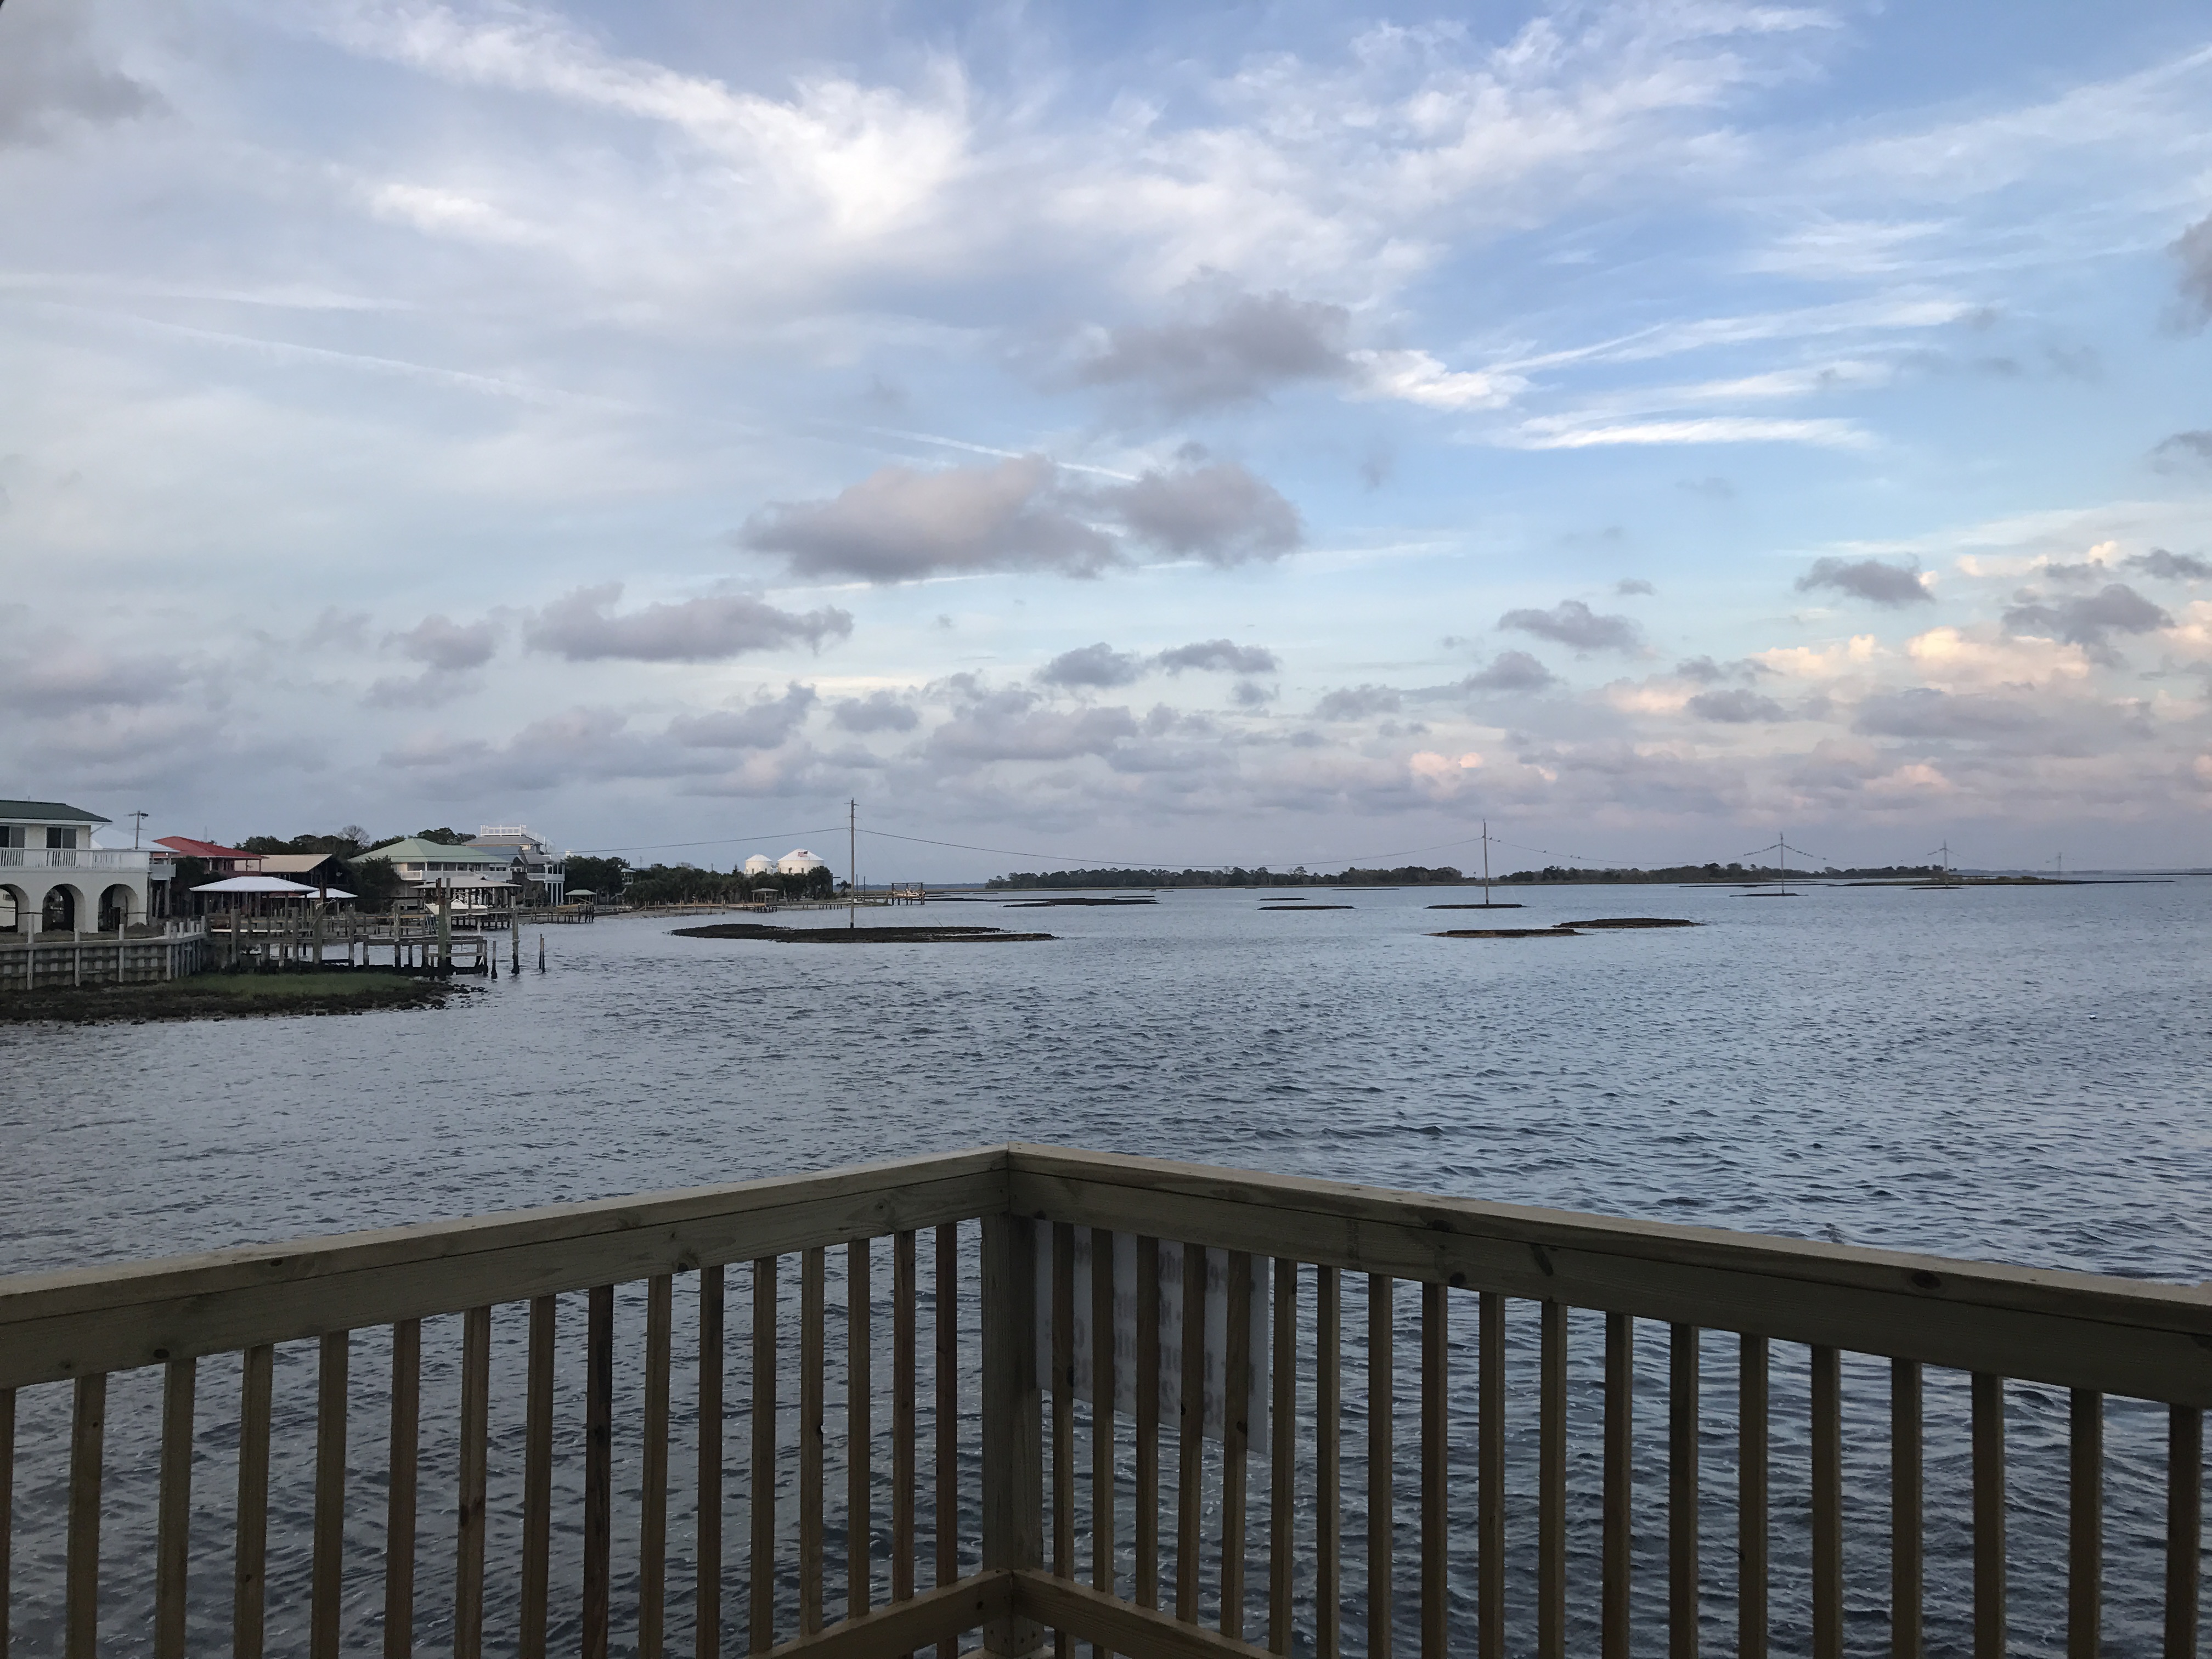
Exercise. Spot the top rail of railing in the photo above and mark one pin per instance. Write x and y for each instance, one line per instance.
(2077, 1330)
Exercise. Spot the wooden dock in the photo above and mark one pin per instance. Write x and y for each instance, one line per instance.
(143, 955)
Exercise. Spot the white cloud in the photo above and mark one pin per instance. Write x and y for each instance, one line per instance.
(1575, 432)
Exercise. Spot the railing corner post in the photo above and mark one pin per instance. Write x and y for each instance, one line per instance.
(1014, 1424)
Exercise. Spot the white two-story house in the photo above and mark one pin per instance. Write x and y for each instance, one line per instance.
(54, 880)
(537, 866)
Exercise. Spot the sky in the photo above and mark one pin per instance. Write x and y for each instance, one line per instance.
(1284, 433)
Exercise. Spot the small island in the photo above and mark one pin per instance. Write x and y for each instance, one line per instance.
(859, 935)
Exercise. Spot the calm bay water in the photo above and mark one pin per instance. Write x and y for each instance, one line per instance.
(2004, 1074)
(2007, 1074)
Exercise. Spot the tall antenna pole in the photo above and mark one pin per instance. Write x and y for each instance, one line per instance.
(852, 863)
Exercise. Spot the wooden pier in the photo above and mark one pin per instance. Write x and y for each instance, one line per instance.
(1198, 1510)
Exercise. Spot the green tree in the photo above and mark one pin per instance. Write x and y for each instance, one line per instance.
(375, 883)
(443, 838)
(603, 877)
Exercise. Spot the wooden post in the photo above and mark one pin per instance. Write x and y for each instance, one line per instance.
(1012, 1422)
(81, 1591)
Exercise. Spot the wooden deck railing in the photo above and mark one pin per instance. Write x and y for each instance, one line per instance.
(197, 1459)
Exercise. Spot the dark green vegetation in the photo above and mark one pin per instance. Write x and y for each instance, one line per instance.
(1565, 929)
(1053, 904)
(1509, 932)
(221, 996)
(1721, 872)
(859, 935)
(1284, 909)
(1410, 875)
(686, 883)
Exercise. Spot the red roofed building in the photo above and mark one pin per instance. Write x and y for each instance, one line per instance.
(220, 861)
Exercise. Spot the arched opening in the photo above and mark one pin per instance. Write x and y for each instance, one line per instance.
(115, 909)
(60, 913)
(13, 908)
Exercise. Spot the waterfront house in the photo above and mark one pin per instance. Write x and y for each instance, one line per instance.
(219, 860)
(535, 863)
(477, 877)
(54, 880)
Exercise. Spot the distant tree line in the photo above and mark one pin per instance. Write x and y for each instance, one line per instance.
(687, 883)
(1417, 875)
(1731, 873)
(1408, 875)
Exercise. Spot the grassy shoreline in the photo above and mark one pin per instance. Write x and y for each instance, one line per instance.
(230, 996)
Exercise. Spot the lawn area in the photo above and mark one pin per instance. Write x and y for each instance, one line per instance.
(217, 996)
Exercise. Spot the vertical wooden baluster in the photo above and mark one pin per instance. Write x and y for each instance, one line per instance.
(1620, 1473)
(1282, 1488)
(1147, 1500)
(904, 1291)
(760, 1557)
(1329, 1462)
(2184, 1526)
(1682, 1492)
(1063, 1414)
(1436, 1467)
(1988, 1517)
(1190, 1447)
(1904, 1509)
(1827, 1503)
(250, 1569)
(328, 1570)
(173, 1545)
(475, 1434)
(7, 1512)
(399, 1505)
(2085, 1529)
(1751, 1500)
(946, 1436)
(652, 1498)
(1013, 1425)
(598, 1466)
(537, 1477)
(812, 1338)
(860, 1432)
(1235, 1440)
(1382, 1404)
(706, 1639)
(1103, 1383)
(1552, 1485)
(87, 1439)
(1490, 1529)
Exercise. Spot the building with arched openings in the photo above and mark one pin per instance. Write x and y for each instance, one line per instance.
(54, 880)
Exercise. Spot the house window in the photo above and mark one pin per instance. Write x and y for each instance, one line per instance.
(61, 837)
(11, 834)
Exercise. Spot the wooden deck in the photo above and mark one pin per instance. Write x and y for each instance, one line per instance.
(1152, 1544)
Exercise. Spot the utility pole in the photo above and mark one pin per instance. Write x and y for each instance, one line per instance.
(1485, 864)
(852, 863)
(137, 823)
